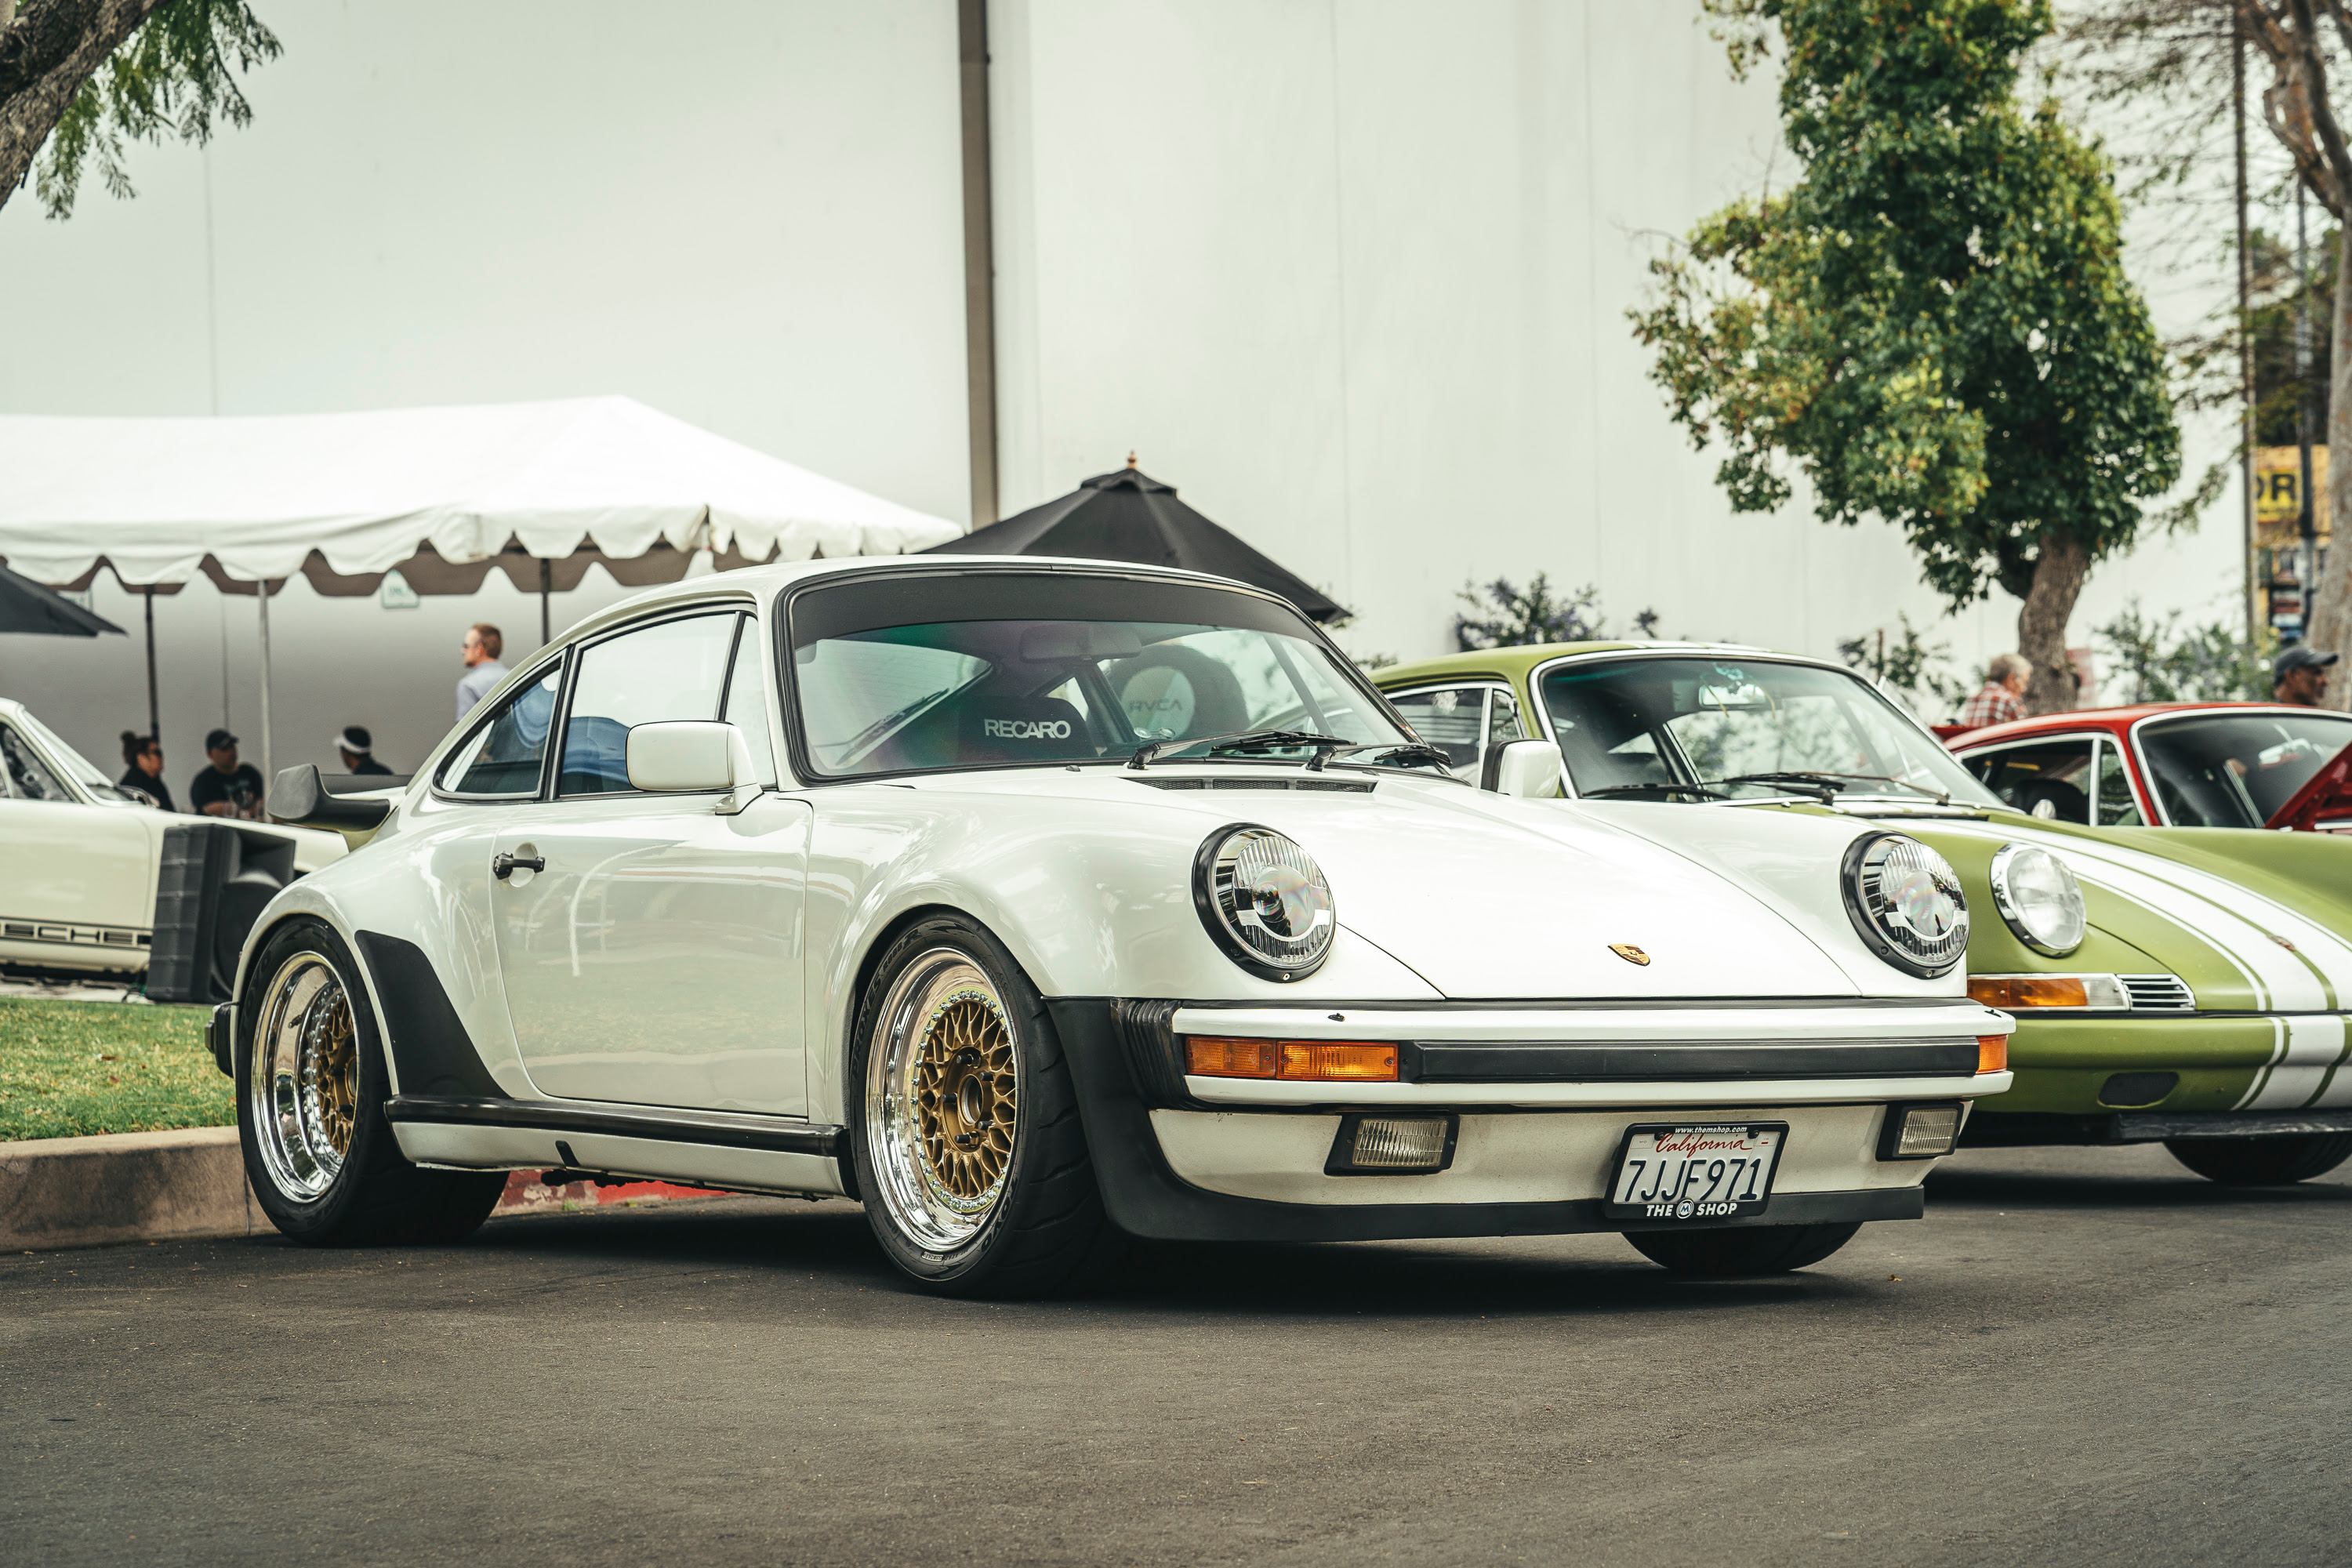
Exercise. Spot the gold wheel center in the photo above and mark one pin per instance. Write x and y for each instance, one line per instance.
(966, 1103)
(330, 1069)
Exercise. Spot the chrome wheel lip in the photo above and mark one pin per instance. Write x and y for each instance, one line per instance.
(919, 1200)
(302, 1077)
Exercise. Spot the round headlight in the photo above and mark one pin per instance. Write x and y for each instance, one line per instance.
(1265, 901)
(1907, 903)
(2036, 893)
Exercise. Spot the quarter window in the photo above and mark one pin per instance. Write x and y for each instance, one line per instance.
(656, 674)
(747, 700)
(505, 756)
(2117, 806)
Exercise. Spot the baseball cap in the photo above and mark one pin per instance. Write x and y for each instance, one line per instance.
(2301, 656)
(217, 739)
(355, 739)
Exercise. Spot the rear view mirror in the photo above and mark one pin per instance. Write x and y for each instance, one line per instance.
(687, 756)
(1529, 769)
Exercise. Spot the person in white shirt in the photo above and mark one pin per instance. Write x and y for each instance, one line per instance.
(480, 652)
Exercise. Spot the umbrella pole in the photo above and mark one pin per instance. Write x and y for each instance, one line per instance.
(546, 582)
(266, 773)
(154, 710)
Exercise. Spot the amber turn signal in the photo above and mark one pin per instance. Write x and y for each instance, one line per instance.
(2030, 991)
(1208, 1058)
(1992, 1053)
(1318, 1061)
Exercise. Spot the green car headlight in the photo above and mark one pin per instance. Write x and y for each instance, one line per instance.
(1905, 901)
(1265, 901)
(2036, 893)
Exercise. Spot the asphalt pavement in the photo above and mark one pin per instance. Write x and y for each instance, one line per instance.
(2079, 1357)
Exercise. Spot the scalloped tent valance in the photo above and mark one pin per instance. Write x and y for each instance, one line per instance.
(441, 494)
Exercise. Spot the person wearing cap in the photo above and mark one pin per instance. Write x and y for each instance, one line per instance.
(354, 742)
(228, 788)
(2299, 676)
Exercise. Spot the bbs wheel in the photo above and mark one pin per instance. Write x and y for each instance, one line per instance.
(1747, 1250)
(2262, 1162)
(310, 1087)
(968, 1154)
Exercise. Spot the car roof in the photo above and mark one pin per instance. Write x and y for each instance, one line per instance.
(2116, 721)
(1516, 662)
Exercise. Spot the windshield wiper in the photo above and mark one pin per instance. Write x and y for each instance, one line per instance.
(1654, 789)
(1246, 741)
(1828, 783)
(1405, 755)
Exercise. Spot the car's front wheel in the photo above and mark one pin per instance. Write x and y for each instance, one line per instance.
(1728, 1254)
(310, 1090)
(968, 1154)
(2262, 1162)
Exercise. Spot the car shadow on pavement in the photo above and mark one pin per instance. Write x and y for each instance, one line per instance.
(2039, 1189)
(1538, 1276)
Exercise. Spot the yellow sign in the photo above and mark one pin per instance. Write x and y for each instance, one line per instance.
(2278, 494)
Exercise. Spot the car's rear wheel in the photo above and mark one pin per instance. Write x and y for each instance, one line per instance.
(1728, 1254)
(968, 1153)
(2262, 1162)
(310, 1089)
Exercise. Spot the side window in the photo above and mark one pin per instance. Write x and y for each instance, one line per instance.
(2050, 780)
(1452, 720)
(2117, 808)
(747, 697)
(505, 756)
(27, 779)
(672, 670)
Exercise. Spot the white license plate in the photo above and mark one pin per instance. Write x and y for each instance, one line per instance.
(1696, 1170)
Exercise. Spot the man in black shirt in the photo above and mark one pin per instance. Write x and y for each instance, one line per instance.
(356, 746)
(227, 788)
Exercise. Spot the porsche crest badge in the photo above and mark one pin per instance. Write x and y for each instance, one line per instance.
(1629, 953)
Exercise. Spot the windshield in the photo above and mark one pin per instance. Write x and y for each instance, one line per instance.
(995, 669)
(95, 784)
(2228, 770)
(1692, 726)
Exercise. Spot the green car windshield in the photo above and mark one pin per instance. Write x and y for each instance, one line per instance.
(1688, 727)
(2232, 770)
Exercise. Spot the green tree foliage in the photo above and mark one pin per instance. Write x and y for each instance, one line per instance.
(1933, 325)
(80, 80)
(1502, 614)
(2212, 663)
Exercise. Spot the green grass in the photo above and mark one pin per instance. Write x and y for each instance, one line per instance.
(69, 1069)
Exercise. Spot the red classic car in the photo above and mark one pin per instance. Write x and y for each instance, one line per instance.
(2174, 764)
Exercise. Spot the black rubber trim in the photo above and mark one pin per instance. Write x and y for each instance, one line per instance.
(431, 1052)
(716, 1129)
(1144, 1197)
(220, 1033)
(2037, 1129)
(1610, 1061)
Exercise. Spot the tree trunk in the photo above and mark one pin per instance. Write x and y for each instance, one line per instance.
(2058, 574)
(52, 48)
(2331, 614)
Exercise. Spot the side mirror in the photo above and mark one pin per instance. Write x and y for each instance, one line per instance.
(689, 756)
(1529, 769)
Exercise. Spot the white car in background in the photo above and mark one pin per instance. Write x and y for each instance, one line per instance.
(1041, 904)
(83, 862)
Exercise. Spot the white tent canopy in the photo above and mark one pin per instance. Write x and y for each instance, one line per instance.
(248, 499)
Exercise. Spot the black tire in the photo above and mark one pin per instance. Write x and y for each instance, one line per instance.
(1747, 1250)
(1043, 1227)
(370, 1196)
(2262, 1162)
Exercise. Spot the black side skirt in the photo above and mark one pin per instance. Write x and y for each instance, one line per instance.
(1145, 1198)
(715, 1128)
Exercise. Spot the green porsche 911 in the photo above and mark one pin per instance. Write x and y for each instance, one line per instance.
(2183, 985)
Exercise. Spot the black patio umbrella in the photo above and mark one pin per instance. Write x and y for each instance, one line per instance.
(27, 606)
(1128, 515)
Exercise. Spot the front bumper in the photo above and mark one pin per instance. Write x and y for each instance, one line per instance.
(1188, 1158)
(2197, 1064)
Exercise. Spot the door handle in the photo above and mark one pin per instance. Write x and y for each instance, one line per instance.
(503, 865)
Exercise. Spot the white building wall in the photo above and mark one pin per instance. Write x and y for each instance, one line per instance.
(1354, 274)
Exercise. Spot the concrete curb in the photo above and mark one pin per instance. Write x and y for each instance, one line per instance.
(122, 1187)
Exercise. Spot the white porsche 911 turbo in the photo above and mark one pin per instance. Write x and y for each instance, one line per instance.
(1040, 905)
